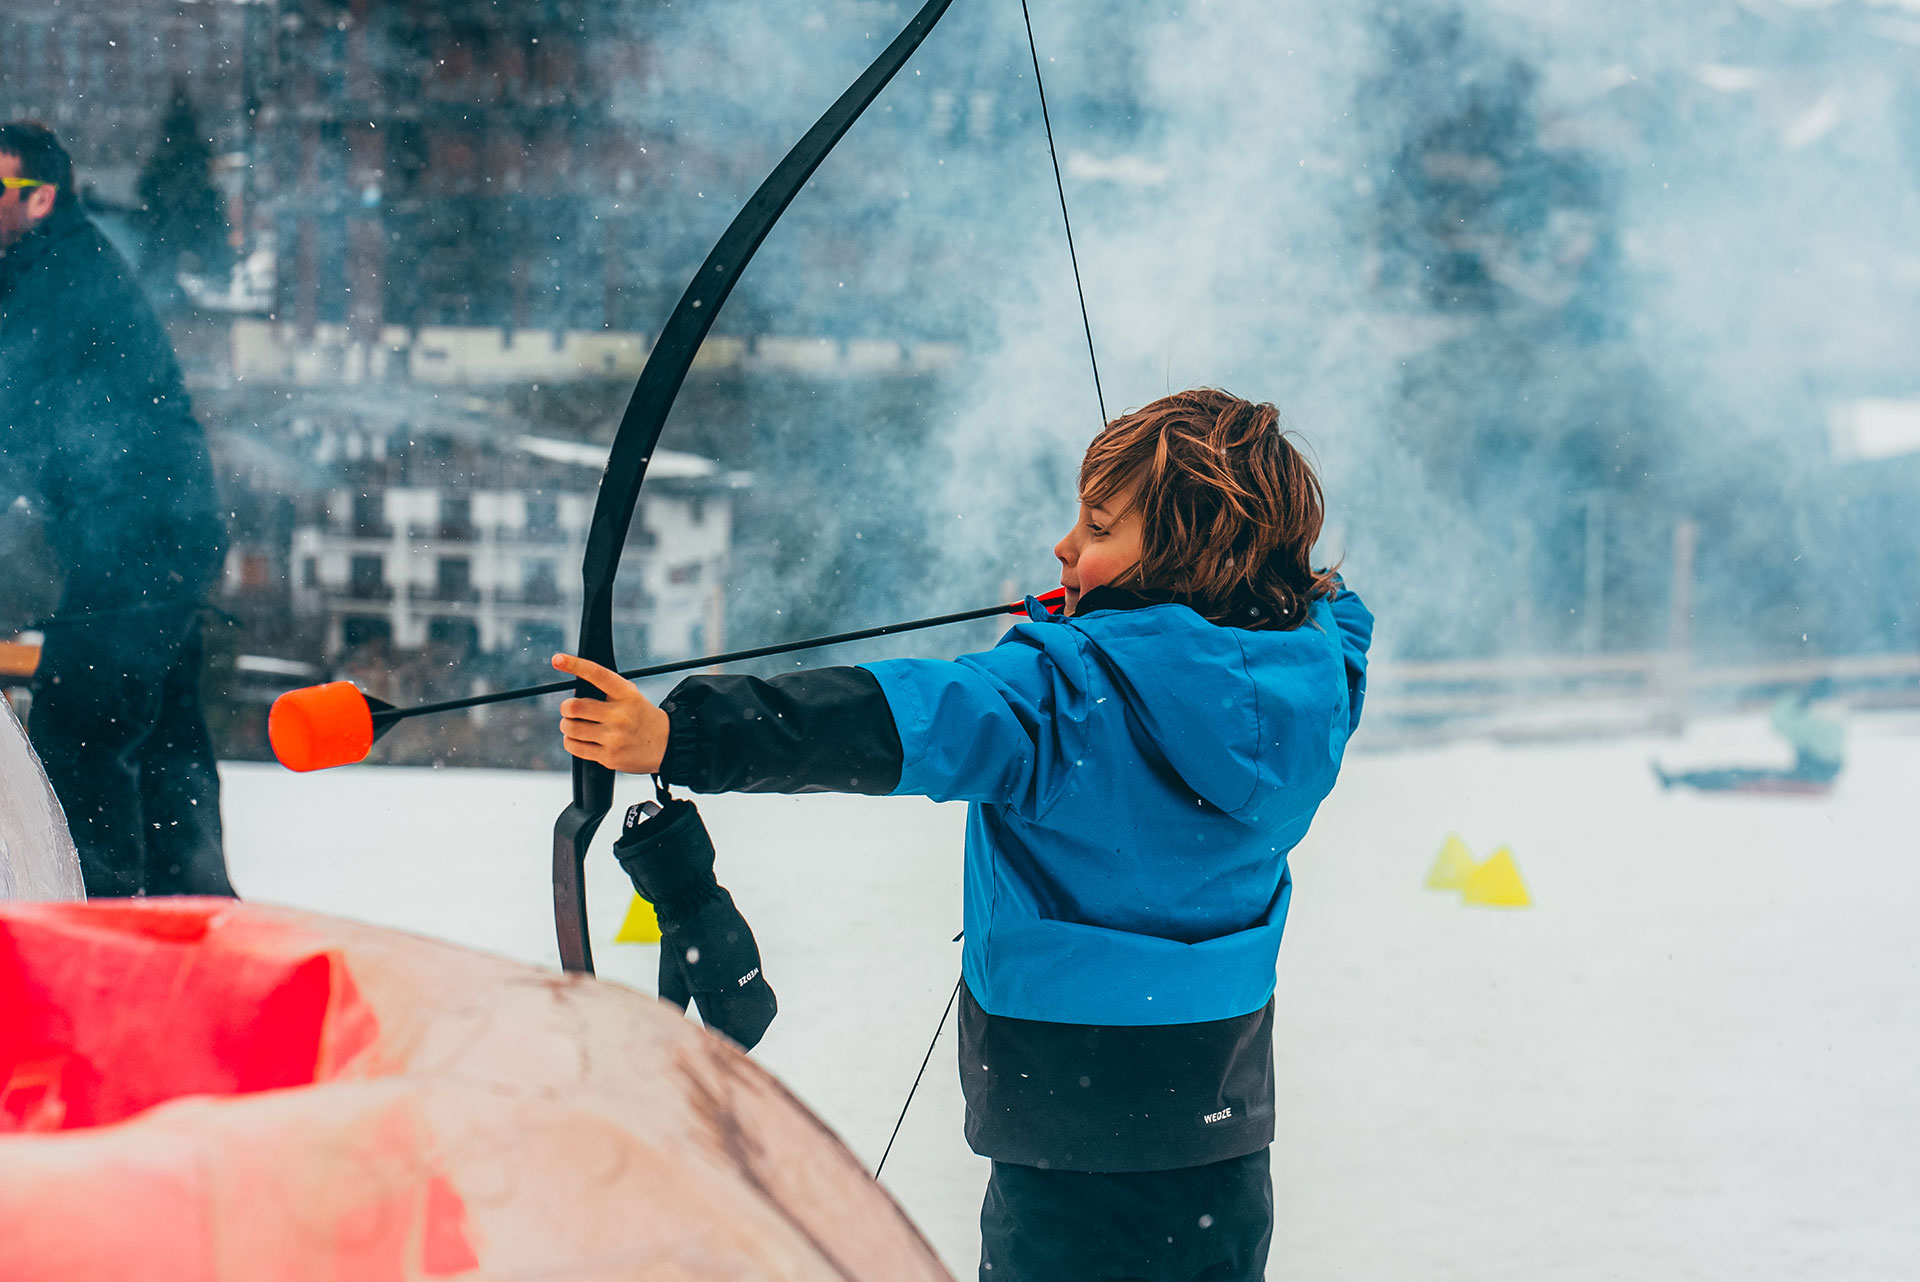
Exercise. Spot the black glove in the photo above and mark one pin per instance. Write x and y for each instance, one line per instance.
(707, 953)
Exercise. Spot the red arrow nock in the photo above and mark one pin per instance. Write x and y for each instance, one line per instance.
(1054, 597)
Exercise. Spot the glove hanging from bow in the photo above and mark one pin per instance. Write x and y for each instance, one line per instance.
(707, 950)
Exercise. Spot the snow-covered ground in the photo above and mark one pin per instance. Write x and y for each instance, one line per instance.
(1698, 1055)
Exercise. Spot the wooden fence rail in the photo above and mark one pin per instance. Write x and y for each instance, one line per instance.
(1553, 696)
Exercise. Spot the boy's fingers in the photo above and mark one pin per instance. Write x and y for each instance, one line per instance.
(586, 751)
(606, 679)
(583, 710)
(575, 731)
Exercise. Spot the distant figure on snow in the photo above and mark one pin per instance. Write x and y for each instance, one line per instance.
(96, 428)
(1819, 750)
(1139, 765)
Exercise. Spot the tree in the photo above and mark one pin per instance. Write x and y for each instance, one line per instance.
(1520, 396)
(181, 212)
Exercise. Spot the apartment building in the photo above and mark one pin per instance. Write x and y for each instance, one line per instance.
(475, 548)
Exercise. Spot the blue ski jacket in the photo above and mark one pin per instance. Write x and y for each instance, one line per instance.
(1137, 778)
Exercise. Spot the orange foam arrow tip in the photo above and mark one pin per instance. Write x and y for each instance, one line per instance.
(321, 726)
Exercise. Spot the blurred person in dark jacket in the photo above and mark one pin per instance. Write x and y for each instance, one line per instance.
(96, 431)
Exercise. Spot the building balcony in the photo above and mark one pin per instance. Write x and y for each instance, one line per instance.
(543, 598)
(362, 592)
(347, 528)
(445, 531)
(537, 536)
(443, 594)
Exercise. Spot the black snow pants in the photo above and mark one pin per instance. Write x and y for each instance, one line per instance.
(117, 722)
(1209, 1223)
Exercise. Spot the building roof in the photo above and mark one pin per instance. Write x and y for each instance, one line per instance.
(666, 465)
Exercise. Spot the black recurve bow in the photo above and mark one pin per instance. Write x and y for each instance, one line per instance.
(639, 433)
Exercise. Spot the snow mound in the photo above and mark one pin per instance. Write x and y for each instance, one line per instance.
(37, 859)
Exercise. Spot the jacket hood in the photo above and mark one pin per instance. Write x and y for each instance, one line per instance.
(1255, 722)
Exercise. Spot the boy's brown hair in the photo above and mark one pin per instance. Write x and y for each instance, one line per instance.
(1229, 509)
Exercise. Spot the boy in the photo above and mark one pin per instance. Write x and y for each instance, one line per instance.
(1139, 767)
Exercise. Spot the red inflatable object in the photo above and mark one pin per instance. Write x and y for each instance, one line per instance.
(319, 727)
(205, 1091)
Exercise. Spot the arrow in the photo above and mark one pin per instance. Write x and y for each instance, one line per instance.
(337, 724)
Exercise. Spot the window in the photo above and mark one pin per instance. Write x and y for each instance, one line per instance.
(459, 635)
(358, 630)
(454, 579)
(456, 518)
(367, 577)
(540, 583)
(980, 116)
(541, 639)
(370, 514)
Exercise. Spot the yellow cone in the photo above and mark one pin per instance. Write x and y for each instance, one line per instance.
(1451, 866)
(1496, 883)
(641, 925)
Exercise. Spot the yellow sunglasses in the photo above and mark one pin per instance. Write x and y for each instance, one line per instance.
(14, 184)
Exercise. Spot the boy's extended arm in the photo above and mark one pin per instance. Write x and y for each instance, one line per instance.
(973, 729)
(824, 730)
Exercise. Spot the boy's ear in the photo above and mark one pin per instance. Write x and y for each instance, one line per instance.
(40, 201)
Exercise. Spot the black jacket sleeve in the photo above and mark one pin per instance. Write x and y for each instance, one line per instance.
(827, 730)
(118, 463)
